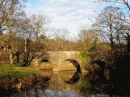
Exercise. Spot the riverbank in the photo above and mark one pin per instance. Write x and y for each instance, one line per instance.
(14, 77)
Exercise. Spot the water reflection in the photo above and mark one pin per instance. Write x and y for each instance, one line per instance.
(57, 84)
(53, 93)
(47, 74)
(70, 77)
(99, 86)
(47, 93)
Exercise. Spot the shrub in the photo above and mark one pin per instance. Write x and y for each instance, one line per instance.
(4, 57)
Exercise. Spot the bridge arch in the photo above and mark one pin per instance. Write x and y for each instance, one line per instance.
(45, 64)
(100, 63)
(70, 64)
(75, 63)
(99, 69)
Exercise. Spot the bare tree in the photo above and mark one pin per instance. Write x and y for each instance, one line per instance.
(47, 42)
(10, 12)
(60, 36)
(127, 15)
(109, 21)
(38, 21)
(125, 2)
(87, 36)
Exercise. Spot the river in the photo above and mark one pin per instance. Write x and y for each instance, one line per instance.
(58, 84)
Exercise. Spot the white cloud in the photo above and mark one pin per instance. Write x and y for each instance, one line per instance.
(86, 13)
(57, 11)
(29, 10)
(84, 3)
(69, 14)
(76, 3)
(29, 5)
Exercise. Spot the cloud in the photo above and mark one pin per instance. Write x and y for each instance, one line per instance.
(76, 3)
(84, 13)
(57, 11)
(29, 10)
(69, 14)
(29, 5)
(67, 3)
(84, 3)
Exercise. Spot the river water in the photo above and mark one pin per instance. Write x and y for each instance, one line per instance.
(58, 84)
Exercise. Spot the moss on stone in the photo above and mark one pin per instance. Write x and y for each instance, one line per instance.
(84, 57)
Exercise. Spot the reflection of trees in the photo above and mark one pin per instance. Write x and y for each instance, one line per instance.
(37, 91)
(118, 85)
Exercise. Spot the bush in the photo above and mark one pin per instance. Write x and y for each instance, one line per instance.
(4, 57)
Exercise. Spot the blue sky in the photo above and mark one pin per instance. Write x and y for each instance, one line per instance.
(71, 14)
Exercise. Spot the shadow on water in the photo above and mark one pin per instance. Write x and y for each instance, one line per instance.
(118, 83)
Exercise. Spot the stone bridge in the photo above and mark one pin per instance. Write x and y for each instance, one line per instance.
(58, 60)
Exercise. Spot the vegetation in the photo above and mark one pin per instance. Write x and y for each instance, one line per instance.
(83, 87)
(84, 57)
(108, 37)
(13, 73)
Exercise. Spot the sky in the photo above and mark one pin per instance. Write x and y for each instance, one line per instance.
(71, 14)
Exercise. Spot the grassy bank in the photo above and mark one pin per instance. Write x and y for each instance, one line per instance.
(15, 76)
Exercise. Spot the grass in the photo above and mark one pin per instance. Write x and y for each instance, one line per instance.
(11, 65)
(12, 72)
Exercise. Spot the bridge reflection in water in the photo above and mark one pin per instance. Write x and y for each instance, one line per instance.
(57, 84)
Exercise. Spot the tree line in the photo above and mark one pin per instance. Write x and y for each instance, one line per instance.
(19, 33)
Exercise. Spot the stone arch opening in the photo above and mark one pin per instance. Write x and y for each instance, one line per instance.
(45, 64)
(44, 60)
(101, 65)
(98, 67)
(71, 64)
(75, 63)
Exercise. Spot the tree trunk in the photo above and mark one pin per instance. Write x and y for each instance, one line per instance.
(128, 43)
(17, 54)
(10, 51)
(36, 37)
(11, 56)
(111, 32)
(25, 45)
